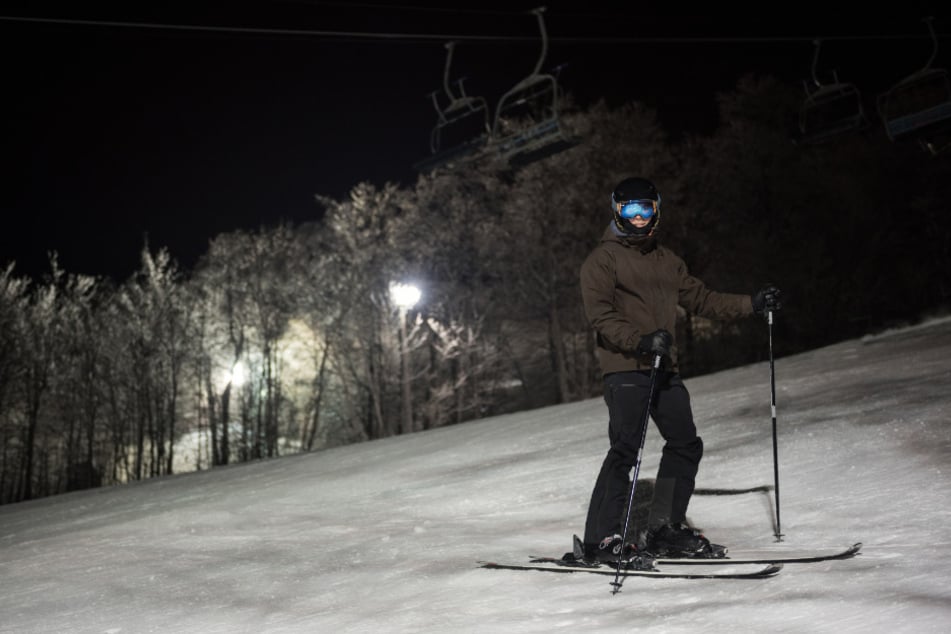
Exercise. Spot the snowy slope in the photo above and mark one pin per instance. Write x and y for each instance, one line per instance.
(384, 536)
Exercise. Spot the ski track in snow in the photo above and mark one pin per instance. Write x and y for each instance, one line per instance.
(384, 536)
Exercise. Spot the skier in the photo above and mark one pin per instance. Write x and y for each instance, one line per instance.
(631, 287)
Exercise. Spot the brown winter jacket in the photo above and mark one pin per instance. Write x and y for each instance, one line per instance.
(632, 286)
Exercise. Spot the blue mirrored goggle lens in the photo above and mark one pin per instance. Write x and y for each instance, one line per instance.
(634, 208)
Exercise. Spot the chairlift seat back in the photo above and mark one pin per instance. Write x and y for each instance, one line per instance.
(916, 102)
(831, 111)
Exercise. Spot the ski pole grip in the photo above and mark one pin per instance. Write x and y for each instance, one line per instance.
(657, 359)
(769, 317)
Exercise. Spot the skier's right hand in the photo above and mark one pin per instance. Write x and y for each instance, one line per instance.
(768, 298)
(657, 342)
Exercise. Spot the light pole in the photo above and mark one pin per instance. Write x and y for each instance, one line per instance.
(405, 297)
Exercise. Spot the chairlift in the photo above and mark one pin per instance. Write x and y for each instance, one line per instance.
(920, 105)
(829, 110)
(462, 127)
(526, 127)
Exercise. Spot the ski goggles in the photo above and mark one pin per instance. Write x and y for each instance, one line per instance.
(634, 208)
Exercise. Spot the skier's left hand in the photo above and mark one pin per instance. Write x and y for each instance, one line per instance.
(766, 299)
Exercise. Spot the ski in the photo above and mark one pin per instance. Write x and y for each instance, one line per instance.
(725, 573)
(777, 556)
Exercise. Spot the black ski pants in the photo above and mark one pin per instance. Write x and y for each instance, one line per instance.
(626, 396)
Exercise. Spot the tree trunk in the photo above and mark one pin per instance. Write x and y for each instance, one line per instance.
(557, 347)
(319, 386)
(224, 452)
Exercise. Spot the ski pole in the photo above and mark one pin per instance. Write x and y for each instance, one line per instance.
(772, 385)
(637, 468)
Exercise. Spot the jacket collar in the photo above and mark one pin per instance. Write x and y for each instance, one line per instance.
(645, 244)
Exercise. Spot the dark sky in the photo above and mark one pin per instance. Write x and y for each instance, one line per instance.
(111, 134)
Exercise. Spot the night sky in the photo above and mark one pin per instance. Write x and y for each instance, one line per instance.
(111, 135)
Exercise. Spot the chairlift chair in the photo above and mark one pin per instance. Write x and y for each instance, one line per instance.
(829, 110)
(526, 126)
(462, 126)
(919, 105)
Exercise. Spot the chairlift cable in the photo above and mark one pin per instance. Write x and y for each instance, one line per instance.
(458, 37)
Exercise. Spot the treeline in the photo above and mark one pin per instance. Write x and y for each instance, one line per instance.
(286, 339)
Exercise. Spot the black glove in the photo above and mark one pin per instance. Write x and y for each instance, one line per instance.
(767, 299)
(657, 342)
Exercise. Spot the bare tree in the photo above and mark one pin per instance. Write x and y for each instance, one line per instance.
(271, 280)
(221, 283)
(14, 305)
(78, 395)
(360, 228)
(439, 235)
(327, 300)
(150, 305)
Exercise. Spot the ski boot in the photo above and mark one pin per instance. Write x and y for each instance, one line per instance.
(680, 541)
(610, 549)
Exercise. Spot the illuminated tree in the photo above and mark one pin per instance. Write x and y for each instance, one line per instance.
(154, 332)
(360, 229)
(14, 304)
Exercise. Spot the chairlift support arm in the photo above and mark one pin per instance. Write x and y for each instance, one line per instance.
(934, 40)
(539, 13)
(815, 64)
(450, 47)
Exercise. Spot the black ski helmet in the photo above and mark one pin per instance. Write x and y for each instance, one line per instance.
(635, 189)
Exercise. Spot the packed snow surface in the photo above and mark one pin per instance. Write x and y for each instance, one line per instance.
(385, 536)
